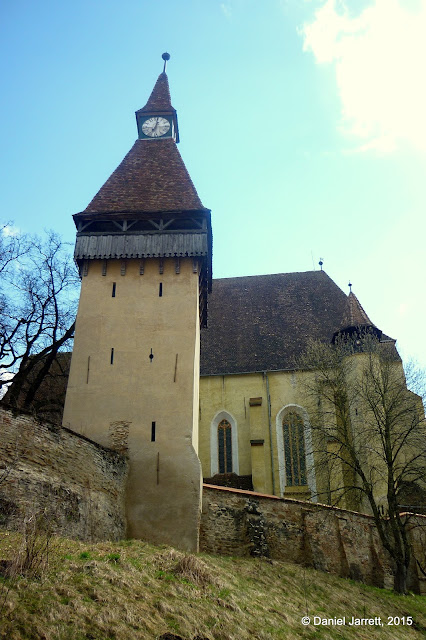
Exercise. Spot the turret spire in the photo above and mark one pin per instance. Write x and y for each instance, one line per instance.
(158, 119)
(355, 321)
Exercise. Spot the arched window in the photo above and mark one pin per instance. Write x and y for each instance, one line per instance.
(224, 443)
(294, 449)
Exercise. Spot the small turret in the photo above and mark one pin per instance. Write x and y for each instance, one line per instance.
(355, 322)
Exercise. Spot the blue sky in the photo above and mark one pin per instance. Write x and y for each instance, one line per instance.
(301, 124)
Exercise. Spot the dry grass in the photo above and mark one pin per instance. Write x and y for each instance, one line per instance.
(187, 567)
(133, 591)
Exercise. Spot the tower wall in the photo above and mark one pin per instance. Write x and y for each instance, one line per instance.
(145, 407)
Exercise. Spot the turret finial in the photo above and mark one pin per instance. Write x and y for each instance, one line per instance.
(321, 262)
(165, 56)
(350, 286)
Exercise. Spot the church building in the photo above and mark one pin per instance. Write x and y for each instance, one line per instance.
(190, 377)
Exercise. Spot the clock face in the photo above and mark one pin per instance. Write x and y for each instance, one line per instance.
(155, 127)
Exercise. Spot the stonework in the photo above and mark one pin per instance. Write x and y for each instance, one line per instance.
(345, 543)
(80, 484)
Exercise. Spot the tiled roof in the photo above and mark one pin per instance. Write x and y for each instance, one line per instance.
(263, 323)
(355, 315)
(151, 178)
(160, 99)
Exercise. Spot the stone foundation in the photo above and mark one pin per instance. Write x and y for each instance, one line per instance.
(345, 543)
(79, 483)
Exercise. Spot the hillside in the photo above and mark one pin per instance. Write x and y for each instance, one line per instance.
(132, 591)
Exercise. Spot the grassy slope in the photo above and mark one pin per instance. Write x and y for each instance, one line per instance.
(131, 590)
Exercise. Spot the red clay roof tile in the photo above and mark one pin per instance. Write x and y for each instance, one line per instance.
(355, 315)
(264, 323)
(160, 99)
(151, 178)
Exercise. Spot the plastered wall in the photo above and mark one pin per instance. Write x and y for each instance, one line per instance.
(134, 384)
(253, 403)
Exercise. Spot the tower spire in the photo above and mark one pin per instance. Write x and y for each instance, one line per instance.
(158, 119)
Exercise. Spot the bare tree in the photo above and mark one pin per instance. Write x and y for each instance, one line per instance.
(38, 293)
(369, 435)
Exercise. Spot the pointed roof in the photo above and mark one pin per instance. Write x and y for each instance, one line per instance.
(355, 315)
(151, 178)
(160, 99)
(355, 321)
(264, 323)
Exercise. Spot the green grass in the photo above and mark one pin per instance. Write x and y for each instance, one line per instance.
(133, 591)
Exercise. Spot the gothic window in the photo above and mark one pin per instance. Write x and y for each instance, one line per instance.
(294, 449)
(224, 440)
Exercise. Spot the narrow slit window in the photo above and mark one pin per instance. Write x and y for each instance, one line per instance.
(153, 432)
(160, 290)
(112, 355)
(113, 289)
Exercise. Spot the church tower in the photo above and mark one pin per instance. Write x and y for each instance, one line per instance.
(144, 252)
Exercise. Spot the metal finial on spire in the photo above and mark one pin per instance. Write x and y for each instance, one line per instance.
(321, 262)
(165, 56)
(350, 286)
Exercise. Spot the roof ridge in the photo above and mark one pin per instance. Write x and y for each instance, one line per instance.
(280, 273)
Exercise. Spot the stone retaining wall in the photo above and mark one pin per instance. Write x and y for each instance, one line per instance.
(82, 487)
(345, 543)
(78, 482)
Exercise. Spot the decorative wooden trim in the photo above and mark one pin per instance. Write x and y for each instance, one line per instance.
(85, 267)
(194, 265)
(142, 266)
(177, 265)
(104, 267)
(161, 265)
(123, 268)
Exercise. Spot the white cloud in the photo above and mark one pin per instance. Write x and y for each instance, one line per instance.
(226, 9)
(9, 230)
(378, 58)
(381, 145)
